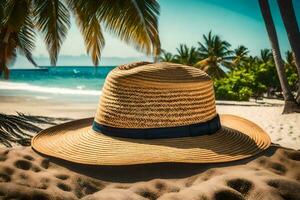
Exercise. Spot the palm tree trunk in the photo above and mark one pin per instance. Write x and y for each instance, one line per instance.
(3, 67)
(290, 103)
(3, 58)
(291, 26)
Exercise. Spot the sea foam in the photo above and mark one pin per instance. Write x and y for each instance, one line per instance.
(6, 85)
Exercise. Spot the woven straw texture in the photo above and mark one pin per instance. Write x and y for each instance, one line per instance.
(145, 95)
(77, 142)
(156, 95)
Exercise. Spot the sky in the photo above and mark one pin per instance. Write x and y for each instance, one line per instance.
(181, 21)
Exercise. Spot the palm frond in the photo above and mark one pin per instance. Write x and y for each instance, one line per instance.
(26, 40)
(211, 67)
(214, 52)
(241, 50)
(266, 55)
(228, 64)
(240, 54)
(20, 128)
(166, 56)
(53, 21)
(134, 22)
(14, 31)
(90, 28)
(186, 55)
(14, 130)
(2, 3)
(202, 63)
(214, 71)
(42, 119)
(290, 58)
(16, 12)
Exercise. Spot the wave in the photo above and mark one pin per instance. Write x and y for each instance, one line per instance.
(4, 85)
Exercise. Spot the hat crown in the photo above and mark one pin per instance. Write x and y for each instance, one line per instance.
(146, 95)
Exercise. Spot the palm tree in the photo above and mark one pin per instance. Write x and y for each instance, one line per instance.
(266, 56)
(186, 55)
(290, 103)
(166, 56)
(240, 54)
(133, 21)
(291, 26)
(250, 62)
(290, 59)
(291, 70)
(16, 33)
(215, 53)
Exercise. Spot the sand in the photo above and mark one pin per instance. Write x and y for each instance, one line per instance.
(274, 174)
(283, 129)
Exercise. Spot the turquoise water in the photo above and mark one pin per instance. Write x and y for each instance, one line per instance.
(54, 82)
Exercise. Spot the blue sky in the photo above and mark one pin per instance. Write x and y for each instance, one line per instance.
(185, 21)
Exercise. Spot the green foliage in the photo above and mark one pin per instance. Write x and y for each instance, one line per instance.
(266, 74)
(291, 70)
(246, 76)
(254, 77)
(239, 85)
(266, 55)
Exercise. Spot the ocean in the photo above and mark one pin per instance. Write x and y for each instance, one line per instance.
(61, 82)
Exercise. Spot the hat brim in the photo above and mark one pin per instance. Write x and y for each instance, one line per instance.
(76, 141)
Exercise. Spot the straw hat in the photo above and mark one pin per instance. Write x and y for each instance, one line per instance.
(151, 113)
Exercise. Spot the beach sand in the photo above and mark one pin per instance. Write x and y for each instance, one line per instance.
(283, 129)
(273, 174)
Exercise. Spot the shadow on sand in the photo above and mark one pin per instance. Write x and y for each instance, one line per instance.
(145, 172)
